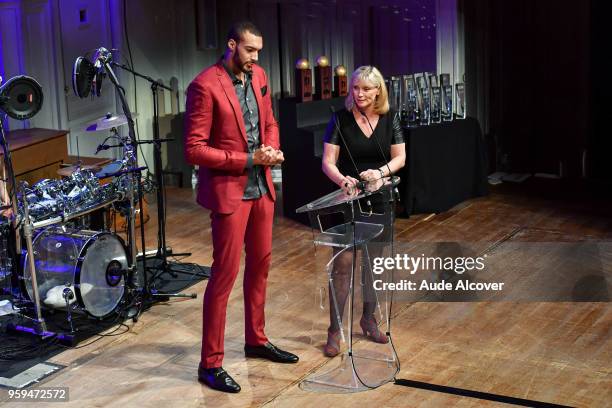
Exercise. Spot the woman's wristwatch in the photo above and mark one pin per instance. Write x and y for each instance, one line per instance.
(382, 174)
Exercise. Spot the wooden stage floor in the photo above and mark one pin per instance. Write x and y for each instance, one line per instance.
(553, 352)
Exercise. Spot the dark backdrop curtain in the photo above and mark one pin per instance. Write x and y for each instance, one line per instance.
(527, 69)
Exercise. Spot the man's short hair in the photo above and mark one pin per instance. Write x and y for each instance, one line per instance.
(236, 32)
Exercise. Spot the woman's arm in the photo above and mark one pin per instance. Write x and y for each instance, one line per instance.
(398, 155)
(329, 167)
(398, 160)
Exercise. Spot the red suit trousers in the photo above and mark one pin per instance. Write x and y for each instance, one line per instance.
(251, 225)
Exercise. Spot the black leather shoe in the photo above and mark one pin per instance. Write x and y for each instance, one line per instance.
(271, 352)
(218, 379)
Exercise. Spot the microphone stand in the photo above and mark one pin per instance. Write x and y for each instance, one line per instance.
(162, 251)
(105, 58)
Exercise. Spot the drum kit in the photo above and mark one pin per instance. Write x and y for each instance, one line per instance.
(76, 269)
(65, 264)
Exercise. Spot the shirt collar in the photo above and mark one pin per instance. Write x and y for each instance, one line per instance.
(233, 77)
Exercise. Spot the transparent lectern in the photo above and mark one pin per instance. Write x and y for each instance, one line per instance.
(351, 296)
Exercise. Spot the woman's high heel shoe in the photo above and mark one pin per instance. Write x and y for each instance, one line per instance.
(332, 348)
(370, 330)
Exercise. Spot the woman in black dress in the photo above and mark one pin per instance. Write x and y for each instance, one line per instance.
(368, 126)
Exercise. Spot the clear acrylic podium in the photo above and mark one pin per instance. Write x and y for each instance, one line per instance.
(358, 229)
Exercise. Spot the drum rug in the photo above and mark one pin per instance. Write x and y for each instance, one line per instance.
(24, 359)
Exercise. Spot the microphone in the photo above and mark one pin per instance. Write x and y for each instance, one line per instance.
(102, 56)
(102, 147)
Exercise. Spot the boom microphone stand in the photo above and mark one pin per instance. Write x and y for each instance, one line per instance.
(162, 251)
(105, 59)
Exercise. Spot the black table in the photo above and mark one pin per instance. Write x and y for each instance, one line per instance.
(445, 165)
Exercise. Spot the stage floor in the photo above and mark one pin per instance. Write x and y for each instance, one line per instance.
(552, 352)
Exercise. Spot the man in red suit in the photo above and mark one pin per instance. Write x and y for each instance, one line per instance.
(231, 133)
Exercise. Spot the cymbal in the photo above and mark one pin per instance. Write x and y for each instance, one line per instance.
(106, 122)
(67, 171)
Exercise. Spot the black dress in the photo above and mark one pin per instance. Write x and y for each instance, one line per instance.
(364, 151)
(366, 154)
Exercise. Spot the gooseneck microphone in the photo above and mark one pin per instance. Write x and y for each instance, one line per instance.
(102, 147)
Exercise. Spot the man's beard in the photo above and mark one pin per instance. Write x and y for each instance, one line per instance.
(243, 65)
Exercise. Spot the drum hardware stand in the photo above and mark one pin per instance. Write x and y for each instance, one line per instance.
(40, 327)
(68, 295)
(105, 58)
(153, 252)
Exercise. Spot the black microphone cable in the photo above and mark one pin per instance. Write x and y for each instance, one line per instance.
(360, 185)
(395, 190)
(380, 150)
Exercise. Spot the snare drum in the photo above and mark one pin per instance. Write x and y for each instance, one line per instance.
(90, 264)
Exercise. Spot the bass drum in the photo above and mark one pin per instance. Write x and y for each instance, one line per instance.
(90, 264)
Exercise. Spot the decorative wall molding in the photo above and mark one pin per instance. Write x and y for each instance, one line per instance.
(11, 45)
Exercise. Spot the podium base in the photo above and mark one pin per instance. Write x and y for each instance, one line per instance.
(363, 371)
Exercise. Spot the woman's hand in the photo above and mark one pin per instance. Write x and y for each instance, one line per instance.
(370, 175)
(376, 184)
(349, 185)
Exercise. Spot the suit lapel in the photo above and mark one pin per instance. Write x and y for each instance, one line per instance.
(257, 92)
(230, 93)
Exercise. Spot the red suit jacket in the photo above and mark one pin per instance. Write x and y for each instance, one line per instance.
(215, 136)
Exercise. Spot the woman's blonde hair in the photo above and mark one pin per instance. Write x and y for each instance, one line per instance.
(372, 75)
